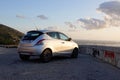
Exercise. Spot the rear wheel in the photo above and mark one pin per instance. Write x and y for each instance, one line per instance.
(24, 57)
(74, 53)
(46, 56)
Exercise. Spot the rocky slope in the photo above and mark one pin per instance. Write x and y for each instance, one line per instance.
(9, 35)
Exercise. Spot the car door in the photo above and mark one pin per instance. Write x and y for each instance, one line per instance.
(66, 44)
(55, 42)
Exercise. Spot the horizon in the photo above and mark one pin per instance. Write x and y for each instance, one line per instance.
(99, 20)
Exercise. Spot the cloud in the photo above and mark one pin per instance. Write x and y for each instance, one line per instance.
(43, 17)
(20, 16)
(91, 23)
(52, 28)
(112, 12)
(70, 25)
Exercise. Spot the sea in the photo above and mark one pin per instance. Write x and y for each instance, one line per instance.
(98, 43)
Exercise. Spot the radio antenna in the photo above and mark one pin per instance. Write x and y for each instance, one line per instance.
(36, 28)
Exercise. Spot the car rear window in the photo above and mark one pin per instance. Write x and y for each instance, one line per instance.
(32, 35)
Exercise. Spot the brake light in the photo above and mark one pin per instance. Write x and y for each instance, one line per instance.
(40, 42)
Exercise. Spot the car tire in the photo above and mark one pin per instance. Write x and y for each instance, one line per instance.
(24, 57)
(46, 56)
(74, 53)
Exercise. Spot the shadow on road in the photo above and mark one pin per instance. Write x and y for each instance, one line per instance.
(38, 60)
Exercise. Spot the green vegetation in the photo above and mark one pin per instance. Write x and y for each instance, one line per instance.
(9, 36)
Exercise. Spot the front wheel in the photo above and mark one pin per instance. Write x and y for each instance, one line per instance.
(24, 57)
(74, 53)
(46, 56)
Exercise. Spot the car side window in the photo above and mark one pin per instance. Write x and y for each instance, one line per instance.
(63, 36)
(53, 35)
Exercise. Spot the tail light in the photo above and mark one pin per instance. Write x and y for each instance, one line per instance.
(40, 42)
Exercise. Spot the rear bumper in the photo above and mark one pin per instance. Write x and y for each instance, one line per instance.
(31, 50)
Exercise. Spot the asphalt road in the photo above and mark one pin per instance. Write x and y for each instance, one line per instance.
(85, 67)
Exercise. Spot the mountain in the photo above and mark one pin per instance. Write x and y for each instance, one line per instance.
(9, 36)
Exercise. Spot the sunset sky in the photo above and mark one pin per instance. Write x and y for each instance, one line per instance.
(80, 19)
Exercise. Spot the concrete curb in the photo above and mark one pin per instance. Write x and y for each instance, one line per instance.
(9, 46)
(106, 53)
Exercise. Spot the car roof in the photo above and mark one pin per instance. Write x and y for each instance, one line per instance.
(46, 31)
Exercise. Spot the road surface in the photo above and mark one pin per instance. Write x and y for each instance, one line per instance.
(85, 67)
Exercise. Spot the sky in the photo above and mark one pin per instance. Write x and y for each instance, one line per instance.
(80, 19)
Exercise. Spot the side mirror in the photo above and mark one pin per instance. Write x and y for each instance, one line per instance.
(69, 39)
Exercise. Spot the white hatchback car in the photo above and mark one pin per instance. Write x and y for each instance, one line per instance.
(46, 43)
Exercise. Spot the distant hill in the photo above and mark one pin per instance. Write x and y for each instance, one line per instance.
(9, 35)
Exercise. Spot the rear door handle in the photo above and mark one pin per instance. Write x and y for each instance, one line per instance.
(63, 42)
